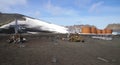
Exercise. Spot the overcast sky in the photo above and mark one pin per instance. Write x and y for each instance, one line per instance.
(67, 12)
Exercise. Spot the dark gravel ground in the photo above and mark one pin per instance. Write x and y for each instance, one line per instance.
(48, 51)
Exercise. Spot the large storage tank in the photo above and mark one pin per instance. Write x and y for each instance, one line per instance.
(108, 31)
(99, 31)
(86, 30)
(104, 31)
(93, 30)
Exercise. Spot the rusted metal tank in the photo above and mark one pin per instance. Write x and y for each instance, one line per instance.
(86, 30)
(104, 31)
(108, 31)
(93, 30)
(99, 31)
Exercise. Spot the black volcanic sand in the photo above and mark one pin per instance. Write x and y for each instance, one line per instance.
(46, 50)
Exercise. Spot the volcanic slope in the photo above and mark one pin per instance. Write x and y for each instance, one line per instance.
(7, 20)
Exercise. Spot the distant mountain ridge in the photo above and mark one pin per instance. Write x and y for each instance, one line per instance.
(114, 27)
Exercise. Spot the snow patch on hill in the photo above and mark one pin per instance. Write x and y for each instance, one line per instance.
(39, 25)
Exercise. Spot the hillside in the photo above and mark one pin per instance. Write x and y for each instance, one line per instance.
(114, 27)
(7, 18)
(28, 23)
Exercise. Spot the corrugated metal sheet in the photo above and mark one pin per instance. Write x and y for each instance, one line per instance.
(93, 30)
(108, 31)
(104, 31)
(86, 29)
(99, 31)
